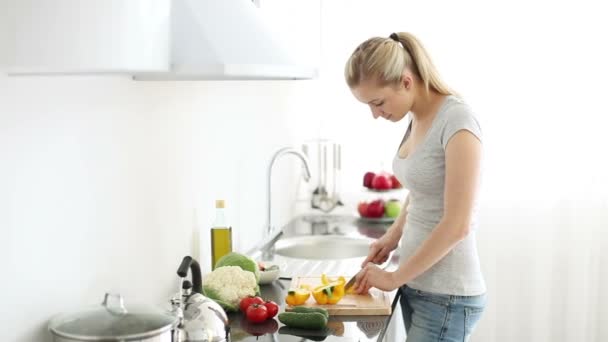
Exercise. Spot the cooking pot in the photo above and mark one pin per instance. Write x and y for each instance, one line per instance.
(112, 321)
(193, 317)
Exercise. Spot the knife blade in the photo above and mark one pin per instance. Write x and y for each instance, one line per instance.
(351, 282)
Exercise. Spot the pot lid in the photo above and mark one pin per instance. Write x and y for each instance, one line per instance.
(112, 321)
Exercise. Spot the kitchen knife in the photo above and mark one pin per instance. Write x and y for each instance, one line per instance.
(351, 282)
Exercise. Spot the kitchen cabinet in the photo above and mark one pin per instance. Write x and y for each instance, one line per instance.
(93, 36)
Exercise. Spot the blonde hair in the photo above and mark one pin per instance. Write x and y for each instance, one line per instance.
(385, 59)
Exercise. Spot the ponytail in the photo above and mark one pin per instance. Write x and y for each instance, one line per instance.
(385, 59)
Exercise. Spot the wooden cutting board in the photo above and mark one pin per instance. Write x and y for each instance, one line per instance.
(375, 303)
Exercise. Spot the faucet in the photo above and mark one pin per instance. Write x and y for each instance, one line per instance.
(277, 155)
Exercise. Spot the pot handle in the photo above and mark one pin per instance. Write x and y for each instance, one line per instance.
(111, 305)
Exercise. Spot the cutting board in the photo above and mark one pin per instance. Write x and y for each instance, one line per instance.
(375, 303)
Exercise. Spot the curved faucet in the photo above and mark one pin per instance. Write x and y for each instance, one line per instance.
(277, 155)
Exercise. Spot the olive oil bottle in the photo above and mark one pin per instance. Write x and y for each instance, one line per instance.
(221, 234)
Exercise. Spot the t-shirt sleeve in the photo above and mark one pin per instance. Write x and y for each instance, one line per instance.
(460, 119)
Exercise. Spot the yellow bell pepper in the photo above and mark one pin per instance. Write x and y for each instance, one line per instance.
(330, 293)
(305, 287)
(326, 280)
(297, 296)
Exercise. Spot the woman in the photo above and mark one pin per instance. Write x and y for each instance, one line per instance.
(438, 160)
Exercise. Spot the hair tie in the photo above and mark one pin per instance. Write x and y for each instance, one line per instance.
(394, 37)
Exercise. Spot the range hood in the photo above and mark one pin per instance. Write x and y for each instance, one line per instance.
(156, 40)
(226, 40)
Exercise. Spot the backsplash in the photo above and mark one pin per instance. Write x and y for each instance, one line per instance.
(104, 179)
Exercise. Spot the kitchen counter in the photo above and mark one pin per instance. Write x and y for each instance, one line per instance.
(340, 328)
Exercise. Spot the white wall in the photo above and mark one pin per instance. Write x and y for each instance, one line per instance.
(101, 177)
(103, 180)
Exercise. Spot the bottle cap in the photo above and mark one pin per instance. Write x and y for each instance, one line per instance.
(219, 203)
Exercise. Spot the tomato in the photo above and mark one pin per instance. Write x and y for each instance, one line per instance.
(272, 307)
(257, 313)
(247, 301)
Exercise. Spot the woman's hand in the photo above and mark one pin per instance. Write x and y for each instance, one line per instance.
(373, 276)
(380, 249)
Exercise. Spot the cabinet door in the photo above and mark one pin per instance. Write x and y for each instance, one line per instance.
(298, 24)
(92, 36)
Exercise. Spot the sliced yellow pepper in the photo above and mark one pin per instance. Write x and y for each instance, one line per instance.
(297, 296)
(305, 286)
(330, 293)
(326, 280)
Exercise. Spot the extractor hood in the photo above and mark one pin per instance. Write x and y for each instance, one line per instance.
(226, 40)
(157, 40)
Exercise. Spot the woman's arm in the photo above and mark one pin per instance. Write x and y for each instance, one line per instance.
(380, 249)
(463, 160)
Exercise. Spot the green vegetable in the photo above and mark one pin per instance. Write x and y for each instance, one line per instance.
(307, 309)
(227, 285)
(213, 295)
(312, 320)
(240, 260)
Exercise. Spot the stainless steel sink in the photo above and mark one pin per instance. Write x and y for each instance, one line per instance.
(323, 247)
(310, 245)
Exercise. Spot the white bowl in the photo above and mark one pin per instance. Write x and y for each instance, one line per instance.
(267, 277)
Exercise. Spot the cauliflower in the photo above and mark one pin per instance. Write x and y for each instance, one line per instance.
(227, 285)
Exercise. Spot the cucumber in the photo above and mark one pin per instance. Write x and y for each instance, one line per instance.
(304, 320)
(306, 309)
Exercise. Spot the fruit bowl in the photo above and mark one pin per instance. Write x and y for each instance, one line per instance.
(381, 181)
(383, 219)
(383, 190)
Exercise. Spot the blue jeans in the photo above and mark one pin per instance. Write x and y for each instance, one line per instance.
(432, 317)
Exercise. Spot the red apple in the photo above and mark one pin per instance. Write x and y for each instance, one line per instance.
(382, 182)
(395, 181)
(367, 179)
(375, 209)
(362, 209)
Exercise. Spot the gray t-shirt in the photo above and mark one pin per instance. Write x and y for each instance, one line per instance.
(423, 174)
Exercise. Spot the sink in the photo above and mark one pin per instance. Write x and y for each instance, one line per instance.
(323, 247)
